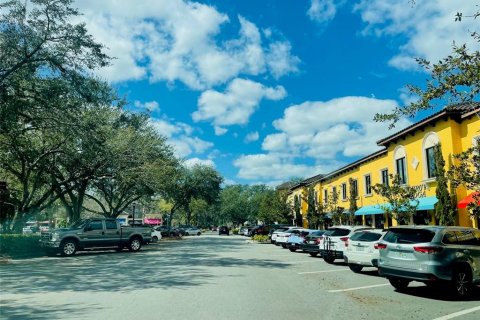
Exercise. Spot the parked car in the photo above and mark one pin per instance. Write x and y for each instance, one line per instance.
(312, 242)
(334, 243)
(362, 250)
(261, 230)
(295, 240)
(223, 230)
(431, 254)
(193, 231)
(94, 233)
(276, 232)
(282, 237)
(156, 235)
(243, 230)
(248, 231)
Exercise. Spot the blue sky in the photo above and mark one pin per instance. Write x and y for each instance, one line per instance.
(273, 89)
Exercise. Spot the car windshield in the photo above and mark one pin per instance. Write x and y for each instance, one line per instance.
(365, 236)
(406, 235)
(317, 233)
(338, 232)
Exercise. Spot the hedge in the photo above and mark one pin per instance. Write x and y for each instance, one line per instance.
(20, 246)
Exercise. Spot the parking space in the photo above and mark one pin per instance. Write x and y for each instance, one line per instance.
(356, 292)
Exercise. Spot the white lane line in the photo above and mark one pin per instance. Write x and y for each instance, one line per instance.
(360, 288)
(458, 314)
(323, 271)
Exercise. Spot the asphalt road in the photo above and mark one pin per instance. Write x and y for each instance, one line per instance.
(212, 277)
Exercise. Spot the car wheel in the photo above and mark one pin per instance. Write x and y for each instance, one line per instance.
(355, 268)
(68, 248)
(329, 259)
(199, 233)
(462, 280)
(154, 239)
(187, 234)
(399, 284)
(134, 245)
(313, 254)
(292, 249)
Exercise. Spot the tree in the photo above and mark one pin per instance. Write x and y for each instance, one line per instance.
(465, 172)
(312, 214)
(274, 207)
(454, 78)
(7, 209)
(139, 164)
(338, 212)
(297, 210)
(45, 83)
(401, 200)
(352, 199)
(445, 210)
(234, 203)
(186, 184)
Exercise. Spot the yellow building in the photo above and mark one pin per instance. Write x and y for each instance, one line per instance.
(408, 153)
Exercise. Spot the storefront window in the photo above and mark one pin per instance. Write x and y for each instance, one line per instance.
(429, 154)
(401, 170)
(384, 174)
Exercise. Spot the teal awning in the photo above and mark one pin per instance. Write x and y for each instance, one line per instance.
(375, 209)
(426, 203)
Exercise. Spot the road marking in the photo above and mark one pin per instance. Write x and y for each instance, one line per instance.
(458, 314)
(323, 271)
(360, 288)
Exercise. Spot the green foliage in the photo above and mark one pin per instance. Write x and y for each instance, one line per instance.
(273, 207)
(455, 78)
(445, 209)
(235, 230)
(20, 246)
(352, 199)
(312, 212)
(401, 199)
(339, 216)
(297, 210)
(260, 238)
(465, 173)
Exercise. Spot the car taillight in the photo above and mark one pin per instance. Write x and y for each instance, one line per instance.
(380, 246)
(428, 249)
(345, 239)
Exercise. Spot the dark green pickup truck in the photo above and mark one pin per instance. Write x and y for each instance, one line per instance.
(94, 233)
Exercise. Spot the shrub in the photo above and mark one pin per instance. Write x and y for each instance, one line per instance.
(235, 231)
(260, 238)
(20, 246)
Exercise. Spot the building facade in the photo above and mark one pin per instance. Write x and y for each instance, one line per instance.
(408, 154)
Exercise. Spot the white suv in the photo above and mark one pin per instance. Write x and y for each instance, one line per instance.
(335, 241)
(282, 237)
(362, 250)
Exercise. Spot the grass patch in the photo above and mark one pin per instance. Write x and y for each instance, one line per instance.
(260, 238)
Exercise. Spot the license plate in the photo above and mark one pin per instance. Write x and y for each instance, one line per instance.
(360, 249)
(311, 242)
(401, 254)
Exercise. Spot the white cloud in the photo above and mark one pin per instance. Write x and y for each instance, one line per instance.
(252, 136)
(324, 130)
(180, 135)
(277, 167)
(428, 26)
(236, 104)
(322, 11)
(179, 40)
(149, 106)
(326, 134)
(219, 131)
(194, 161)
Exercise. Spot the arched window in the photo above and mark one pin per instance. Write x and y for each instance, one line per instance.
(428, 146)
(400, 158)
